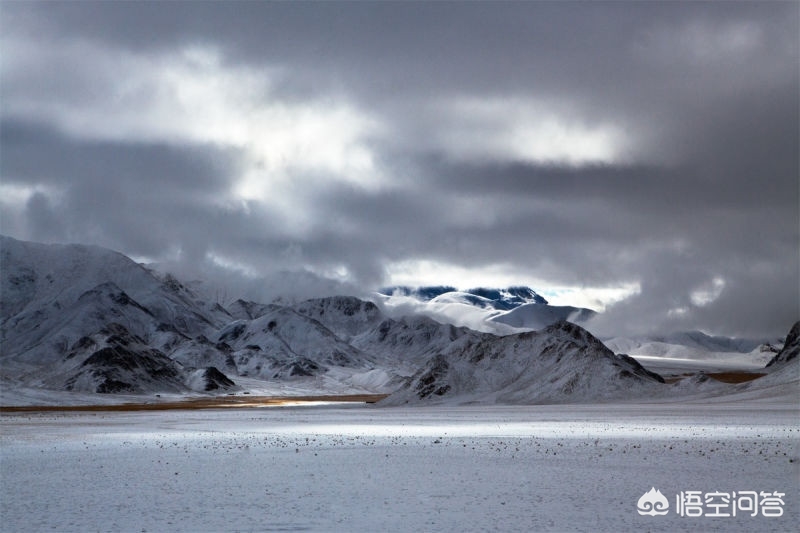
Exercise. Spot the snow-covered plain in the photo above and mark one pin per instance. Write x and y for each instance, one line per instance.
(365, 468)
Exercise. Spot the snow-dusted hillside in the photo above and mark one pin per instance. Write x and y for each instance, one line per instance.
(76, 317)
(345, 316)
(284, 343)
(398, 347)
(114, 361)
(50, 292)
(561, 363)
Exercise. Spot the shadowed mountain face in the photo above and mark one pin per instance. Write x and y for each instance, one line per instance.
(121, 363)
(791, 348)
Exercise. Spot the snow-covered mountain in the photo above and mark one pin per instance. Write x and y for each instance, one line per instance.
(76, 317)
(683, 344)
(86, 319)
(486, 298)
(500, 311)
(284, 343)
(113, 360)
(345, 316)
(398, 347)
(50, 292)
(695, 350)
(561, 363)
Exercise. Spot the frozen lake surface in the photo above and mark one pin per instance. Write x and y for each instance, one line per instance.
(366, 468)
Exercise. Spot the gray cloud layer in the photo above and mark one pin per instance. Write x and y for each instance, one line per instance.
(573, 144)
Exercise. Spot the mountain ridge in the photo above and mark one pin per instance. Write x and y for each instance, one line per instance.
(77, 318)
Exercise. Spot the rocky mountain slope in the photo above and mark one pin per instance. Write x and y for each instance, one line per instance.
(790, 350)
(561, 363)
(88, 319)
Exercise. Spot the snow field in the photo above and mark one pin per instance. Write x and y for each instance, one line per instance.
(355, 468)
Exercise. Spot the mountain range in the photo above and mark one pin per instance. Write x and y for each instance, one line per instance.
(87, 319)
(492, 310)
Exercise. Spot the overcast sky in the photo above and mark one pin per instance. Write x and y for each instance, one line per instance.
(638, 157)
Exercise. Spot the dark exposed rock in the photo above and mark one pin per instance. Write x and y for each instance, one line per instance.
(153, 362)
(233, 333)
(111, 385)
(428, 383)
(223, 347)
(791, 347)
(82, 343)
(216, 380)
(301, 368)
(126, 364)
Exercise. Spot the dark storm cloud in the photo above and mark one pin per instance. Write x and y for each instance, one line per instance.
(475, 43)
(34, 153)
(142, 197)
(578, 144)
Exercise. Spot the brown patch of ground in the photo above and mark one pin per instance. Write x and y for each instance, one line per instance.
(674, 379)
(735, 377)
(217, 402)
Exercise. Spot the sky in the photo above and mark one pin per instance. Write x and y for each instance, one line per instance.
(639, 158)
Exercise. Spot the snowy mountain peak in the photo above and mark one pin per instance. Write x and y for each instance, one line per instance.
(58, 273)
(484, 297)
(420, 293)
(565, 329)
(500, 311)
(511, 296)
